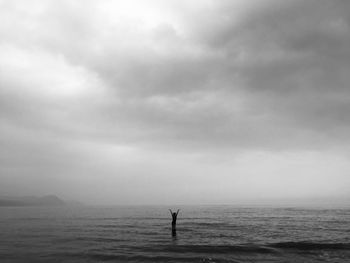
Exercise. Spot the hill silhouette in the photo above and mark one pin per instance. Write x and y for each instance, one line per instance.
(48, 200)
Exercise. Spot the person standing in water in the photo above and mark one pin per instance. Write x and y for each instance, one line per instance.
(173, 223)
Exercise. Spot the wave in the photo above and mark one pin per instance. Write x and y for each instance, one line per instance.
(250, 248)
(147, 258)
(305, 245)
(222, 249)
(129, 257)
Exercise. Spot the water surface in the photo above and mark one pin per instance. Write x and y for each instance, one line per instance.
(204, 234)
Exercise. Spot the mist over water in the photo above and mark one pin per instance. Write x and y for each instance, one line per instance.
(204, 234)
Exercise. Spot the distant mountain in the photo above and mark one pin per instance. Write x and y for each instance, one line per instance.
(48, 200)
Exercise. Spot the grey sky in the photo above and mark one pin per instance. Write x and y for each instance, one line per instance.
(130, 102)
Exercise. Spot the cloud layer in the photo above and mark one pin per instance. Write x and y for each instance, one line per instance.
(80, 81)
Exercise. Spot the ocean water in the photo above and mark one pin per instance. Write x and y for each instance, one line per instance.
(204, 234)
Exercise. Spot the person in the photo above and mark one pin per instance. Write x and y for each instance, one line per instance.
(173, 223)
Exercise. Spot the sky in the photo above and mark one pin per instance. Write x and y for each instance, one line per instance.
(177, 101)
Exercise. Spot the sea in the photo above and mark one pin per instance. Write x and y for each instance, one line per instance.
(203, 234)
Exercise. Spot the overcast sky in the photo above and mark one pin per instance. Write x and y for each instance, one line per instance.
(175, 102)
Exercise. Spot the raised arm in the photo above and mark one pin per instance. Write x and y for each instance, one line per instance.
(171, 212)
(178, 210)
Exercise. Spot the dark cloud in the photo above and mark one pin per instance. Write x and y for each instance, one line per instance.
(207, 78)
(225, 79)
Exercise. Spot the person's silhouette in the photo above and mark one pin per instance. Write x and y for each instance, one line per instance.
(173, 223)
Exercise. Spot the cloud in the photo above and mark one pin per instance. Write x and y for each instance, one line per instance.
(190, 77)
(279, 69)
